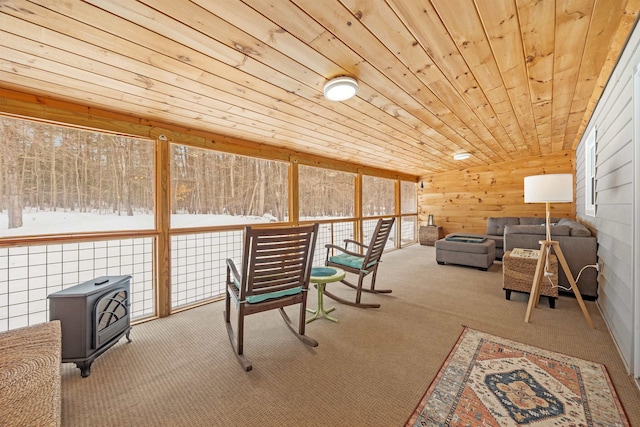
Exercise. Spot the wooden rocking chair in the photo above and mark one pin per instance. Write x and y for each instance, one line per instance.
(362, 265)
(276, 266)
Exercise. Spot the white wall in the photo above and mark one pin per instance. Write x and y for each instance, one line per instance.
(615, 120)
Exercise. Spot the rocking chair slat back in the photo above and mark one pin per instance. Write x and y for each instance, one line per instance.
(380, 236)
(277, 260)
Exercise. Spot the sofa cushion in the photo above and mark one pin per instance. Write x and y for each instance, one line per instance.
(495, 226)
(556, 230)
(352, 261)
(577, 229)
(252, 299)
(531, 221)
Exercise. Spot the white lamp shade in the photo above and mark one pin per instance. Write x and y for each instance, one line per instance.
(548, 188)
(340, 89)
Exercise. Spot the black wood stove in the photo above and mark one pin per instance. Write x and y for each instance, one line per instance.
(93, 316)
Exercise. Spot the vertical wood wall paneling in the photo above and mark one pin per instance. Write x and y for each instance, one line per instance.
(461, 201)
(615, 121)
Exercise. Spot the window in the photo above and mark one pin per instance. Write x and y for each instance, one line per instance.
(408, 197)
(590, 173)
(60, 180)
(325, 193)
(211, 188)
(408, 205)
(378, 196)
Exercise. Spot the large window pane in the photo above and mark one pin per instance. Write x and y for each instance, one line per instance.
(377, 196)
(60, 180)
(325, 193)
(408, 199)
(211, 188)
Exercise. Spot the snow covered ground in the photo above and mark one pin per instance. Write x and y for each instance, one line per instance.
(45, 222)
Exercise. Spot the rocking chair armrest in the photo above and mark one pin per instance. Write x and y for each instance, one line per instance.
(341, 249)
(232, 270)
(347, 241)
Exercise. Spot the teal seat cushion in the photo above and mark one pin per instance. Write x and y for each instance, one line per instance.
(466, 239)
(252, 299)
(350, 261)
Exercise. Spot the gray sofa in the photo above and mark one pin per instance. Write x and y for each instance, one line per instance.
(578, 245)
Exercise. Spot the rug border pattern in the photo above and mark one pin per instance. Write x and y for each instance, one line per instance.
(456, 373)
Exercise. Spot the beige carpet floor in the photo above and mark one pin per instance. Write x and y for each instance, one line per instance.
(370, 369)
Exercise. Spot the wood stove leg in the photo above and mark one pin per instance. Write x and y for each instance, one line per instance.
(85, 368)
(129, 333)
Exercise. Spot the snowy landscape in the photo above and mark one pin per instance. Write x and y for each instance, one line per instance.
(43, 222)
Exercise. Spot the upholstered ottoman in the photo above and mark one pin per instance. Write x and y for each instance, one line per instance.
(471, 251)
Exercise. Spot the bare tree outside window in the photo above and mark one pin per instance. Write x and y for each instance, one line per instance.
(213, 188)
(408, 197)
(325, 193)
(378, 196)
(57, 179)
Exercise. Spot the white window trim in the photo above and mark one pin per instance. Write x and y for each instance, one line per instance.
(590, 173)
(635, 370)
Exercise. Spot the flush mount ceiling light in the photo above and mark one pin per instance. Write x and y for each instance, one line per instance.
(340, 88)
(461, 156)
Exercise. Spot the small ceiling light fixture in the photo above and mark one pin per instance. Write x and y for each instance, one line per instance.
(340, 88)
(461, 156)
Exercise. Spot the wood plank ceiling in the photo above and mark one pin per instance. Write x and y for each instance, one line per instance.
(500, 79)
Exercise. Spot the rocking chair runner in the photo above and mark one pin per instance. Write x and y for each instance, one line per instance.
(360, 264)
(276, 266)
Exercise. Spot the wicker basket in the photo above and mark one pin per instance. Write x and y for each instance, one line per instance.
(518, 274)
(429, 234)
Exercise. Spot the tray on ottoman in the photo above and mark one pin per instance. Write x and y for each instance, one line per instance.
(518, 272)
(466, 250)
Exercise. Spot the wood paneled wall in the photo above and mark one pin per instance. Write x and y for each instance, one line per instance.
(462, 201)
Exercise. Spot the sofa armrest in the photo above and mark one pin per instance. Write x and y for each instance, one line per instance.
(578, 251)
(30, 382)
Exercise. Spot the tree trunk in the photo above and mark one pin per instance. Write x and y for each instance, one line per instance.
(11, 175)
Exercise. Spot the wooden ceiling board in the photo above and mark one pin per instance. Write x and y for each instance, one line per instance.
(467, 32)
(428, 123)
(627, 22)
(405, 108)
(354, 34)
(537, 24)
(605, 19)
(461, 95)
(502, 80)
(409, 52)
(572, 25)
(501, 25)
(422, 21)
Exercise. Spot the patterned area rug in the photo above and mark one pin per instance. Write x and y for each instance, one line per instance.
(492, 381)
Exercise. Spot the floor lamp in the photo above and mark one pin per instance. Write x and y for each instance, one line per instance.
(546, 189)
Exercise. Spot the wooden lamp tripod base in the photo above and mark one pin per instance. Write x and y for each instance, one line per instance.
(534, 296)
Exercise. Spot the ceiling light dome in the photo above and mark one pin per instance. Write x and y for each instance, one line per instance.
(340, 88)
(461, 156)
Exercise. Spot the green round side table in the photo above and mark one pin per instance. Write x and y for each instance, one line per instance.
(321, 276)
